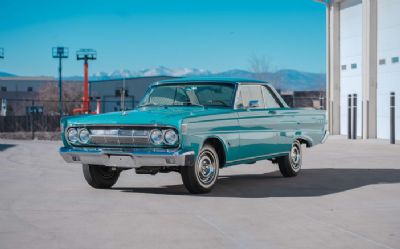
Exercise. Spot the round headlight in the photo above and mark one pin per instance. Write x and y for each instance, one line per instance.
(170, 137)
(84, 136)
(156, 137)
(72, 135)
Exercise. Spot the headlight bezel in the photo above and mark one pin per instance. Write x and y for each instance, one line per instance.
(175, 134)
(68, 135)
(161, 136)
(81, 141)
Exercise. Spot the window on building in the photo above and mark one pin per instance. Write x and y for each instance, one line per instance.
(344, 67)
(382, 62)
(395, 59)
(30, 89)
(118, 92)
(4, 89)
(354, 66)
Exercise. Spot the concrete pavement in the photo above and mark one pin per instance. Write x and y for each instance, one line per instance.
(347, 196)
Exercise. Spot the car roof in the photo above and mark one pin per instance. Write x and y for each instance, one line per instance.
(220, 80)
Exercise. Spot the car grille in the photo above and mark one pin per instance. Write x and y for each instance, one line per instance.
(119, 136)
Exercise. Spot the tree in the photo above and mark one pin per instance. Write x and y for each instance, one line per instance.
(72, 97)
(259, 65)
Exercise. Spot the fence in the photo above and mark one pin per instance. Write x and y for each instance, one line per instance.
(23, 107)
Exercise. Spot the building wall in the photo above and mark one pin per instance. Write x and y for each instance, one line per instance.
(350, 57)
(388, 72)
(21, 84)
(388, 69)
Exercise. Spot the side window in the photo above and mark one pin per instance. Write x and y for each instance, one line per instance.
(239, 100)
(270, 101)
(251, 93)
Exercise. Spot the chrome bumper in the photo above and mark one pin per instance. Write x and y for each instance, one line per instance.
(127, 159)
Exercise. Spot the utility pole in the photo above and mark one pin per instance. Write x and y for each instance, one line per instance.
(85, 55)
(60, 53)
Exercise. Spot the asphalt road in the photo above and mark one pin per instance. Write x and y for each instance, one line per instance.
(347, 196)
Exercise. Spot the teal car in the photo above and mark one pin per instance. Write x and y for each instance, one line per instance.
(193, 126)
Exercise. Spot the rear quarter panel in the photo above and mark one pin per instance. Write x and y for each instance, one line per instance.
(308, 125)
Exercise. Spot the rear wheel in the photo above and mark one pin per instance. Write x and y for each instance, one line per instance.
(201, 177)
(290, 165)
(100, 176)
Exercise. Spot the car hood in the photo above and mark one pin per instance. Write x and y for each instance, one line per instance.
(170, 116)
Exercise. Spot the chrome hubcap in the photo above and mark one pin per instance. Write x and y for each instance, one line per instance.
(295, 157)
(206, 168)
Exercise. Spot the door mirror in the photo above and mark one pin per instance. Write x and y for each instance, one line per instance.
(253, 104)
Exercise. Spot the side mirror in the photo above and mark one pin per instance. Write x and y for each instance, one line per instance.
(253, 104)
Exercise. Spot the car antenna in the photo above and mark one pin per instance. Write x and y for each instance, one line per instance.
(123, 97)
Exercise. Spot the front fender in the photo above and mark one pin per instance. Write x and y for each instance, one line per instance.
(304, 139)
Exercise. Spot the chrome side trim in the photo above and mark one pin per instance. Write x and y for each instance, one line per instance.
(257, 158)
(128, 159)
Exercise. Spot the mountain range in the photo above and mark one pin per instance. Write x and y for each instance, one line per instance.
(286, 80)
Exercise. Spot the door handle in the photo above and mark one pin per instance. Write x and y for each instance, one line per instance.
(271, 112)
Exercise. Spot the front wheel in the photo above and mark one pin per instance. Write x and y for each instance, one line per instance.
(201, 177)
(100, 176)
(290, 165)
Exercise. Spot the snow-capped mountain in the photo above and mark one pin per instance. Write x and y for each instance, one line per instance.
(157, 71)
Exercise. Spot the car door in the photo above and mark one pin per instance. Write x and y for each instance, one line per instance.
(257, 126)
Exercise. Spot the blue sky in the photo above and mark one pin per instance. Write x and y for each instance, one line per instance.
(215, 35)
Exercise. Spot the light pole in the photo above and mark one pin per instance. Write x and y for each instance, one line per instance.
(86, 55)
(3, 107)
(60, 53)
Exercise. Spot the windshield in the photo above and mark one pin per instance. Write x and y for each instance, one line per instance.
(217, 95)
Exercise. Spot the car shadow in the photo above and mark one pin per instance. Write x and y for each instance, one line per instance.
(311, 182)
(4, 147)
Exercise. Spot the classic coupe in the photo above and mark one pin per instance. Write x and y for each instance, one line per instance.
(193, 126)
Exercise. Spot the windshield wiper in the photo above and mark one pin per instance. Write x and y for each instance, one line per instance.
(192, 104)
(149, 104)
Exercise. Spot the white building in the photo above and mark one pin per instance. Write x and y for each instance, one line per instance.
(363, 41)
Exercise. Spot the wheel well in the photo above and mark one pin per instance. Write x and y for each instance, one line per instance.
(304, 141)
(219, 147)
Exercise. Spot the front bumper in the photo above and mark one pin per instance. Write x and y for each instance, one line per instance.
(128, 158)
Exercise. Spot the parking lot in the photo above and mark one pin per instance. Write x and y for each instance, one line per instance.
(347, 196)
